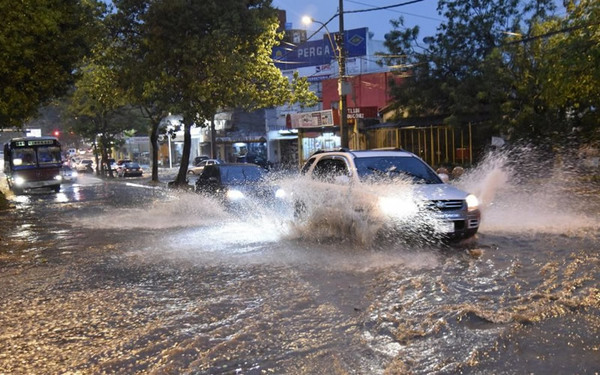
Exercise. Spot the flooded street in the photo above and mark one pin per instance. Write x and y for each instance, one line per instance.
(125, 278)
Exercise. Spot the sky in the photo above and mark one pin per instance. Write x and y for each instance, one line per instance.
(421, 13)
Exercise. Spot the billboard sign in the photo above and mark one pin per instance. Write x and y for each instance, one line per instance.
(314, 119)
(320, 52)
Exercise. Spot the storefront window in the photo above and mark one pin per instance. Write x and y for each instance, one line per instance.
(319, 141)
(252, 152)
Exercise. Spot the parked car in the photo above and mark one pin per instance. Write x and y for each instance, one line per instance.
(68, 174)
(199, 159)
(237, 183)
(447, 210)
(85, 165)
(200, 167)
(130, 169)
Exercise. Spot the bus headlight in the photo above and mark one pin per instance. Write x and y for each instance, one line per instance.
(19, 180)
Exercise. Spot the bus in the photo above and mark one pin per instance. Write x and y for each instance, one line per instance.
(32, 163)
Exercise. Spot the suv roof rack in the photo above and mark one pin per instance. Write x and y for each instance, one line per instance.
(341, 149)
(388, 149)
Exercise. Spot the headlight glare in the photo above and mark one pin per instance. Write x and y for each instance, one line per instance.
(234, 194)
(19, 181)
(398, 207)
(472, 202)
(280, 193)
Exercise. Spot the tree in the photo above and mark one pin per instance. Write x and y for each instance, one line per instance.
(446, 75)
(41, 45)
(573, 67)
(194, 58)
(101, 108)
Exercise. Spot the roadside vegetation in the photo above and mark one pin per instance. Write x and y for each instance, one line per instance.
(521, 69)
(524, 69)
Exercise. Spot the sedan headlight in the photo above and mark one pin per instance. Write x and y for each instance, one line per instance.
(472, 202)
(234, 195)
(280, 193)
(58, 177)
(398, 207)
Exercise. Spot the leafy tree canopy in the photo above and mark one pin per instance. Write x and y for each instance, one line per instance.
(41, 44)
(531, 74)
(194, 58)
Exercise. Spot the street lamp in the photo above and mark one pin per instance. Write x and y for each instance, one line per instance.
(342, 84)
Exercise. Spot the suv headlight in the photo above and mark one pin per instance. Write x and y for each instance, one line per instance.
(472, 202)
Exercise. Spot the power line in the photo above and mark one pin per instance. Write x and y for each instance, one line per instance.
(382, 8)
(551, 33)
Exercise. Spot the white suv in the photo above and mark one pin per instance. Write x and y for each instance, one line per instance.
(452, 212)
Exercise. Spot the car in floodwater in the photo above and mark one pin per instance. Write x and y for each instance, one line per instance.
(198, 168)
(130, 169)
(447, 210)
(85, 165)
(68, 173)
(237, 184)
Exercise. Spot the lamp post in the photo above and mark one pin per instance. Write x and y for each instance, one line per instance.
(342, 83)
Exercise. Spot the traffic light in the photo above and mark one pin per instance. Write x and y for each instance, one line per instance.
(56, 133)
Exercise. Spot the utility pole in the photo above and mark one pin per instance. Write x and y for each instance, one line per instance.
(342, 85)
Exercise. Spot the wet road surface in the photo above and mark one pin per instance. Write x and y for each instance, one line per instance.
(109, 277)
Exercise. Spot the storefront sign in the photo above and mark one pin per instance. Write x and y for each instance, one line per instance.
(362, 112)
(312, 119)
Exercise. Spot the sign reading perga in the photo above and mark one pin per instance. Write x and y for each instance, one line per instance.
(320, 52)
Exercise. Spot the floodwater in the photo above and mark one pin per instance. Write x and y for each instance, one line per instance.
(108, 277)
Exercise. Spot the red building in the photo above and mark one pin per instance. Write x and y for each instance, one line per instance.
(369, 93)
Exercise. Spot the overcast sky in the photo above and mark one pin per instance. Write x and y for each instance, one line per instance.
(421, 13)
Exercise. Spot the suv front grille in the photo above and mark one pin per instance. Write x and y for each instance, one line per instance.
(445, 205)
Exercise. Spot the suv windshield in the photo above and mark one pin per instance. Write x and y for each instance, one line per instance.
(391, 167)
(240, 174)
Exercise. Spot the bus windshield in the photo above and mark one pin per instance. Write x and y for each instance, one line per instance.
(33, 153)
(31, 157)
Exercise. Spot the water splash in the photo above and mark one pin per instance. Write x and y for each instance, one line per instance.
(523, 190)
(175, 211)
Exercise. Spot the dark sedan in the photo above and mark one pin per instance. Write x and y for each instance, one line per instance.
(130, 170)
(238, 183)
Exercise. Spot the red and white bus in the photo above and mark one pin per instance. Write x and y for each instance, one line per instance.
(32, 163)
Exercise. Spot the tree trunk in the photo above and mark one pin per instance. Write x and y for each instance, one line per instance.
(104, 145)
(181, 180)
(104, 151)
(213, 138)
(155, 146)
